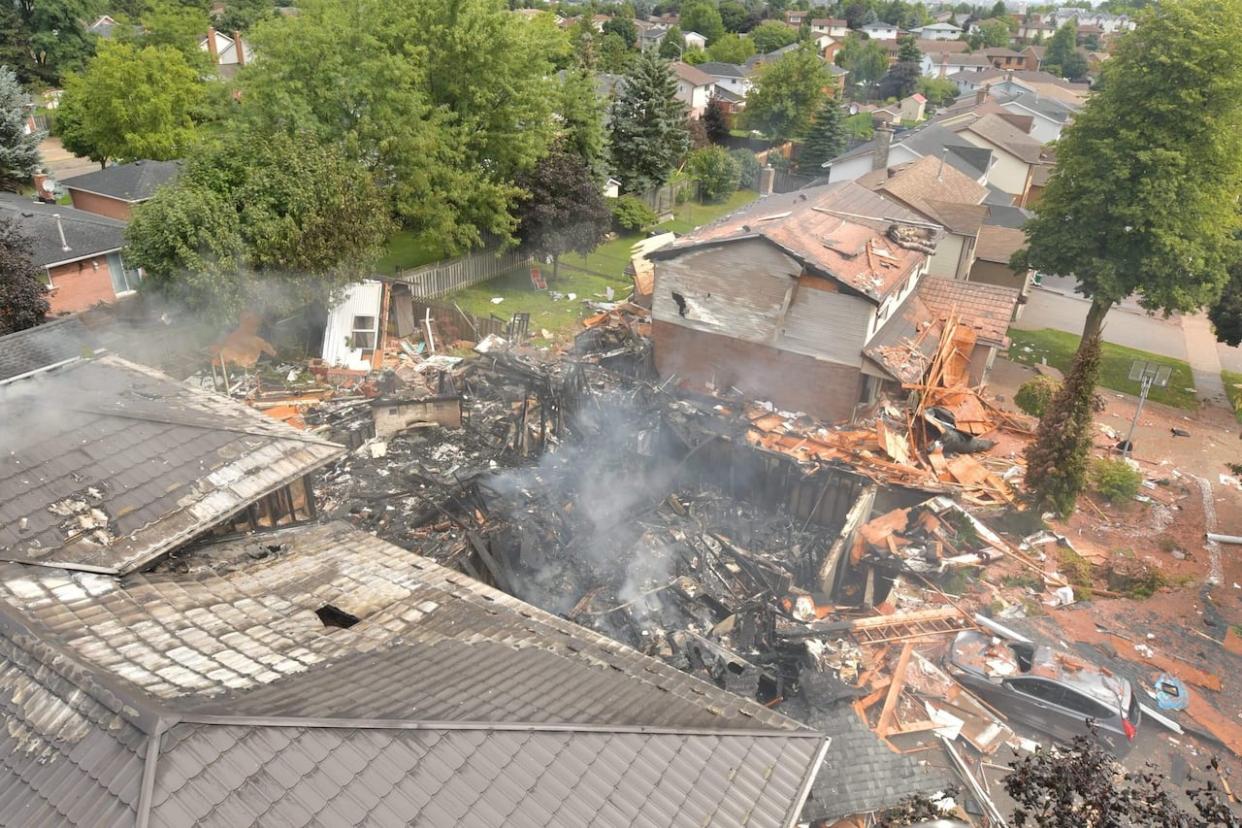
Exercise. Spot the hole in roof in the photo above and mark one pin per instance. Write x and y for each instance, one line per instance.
(335, 617)
(681, 303)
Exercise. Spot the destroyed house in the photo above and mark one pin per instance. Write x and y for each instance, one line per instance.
(782, 300)
(108, 465)
(321, 676)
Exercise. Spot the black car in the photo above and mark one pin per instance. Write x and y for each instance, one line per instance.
(1054, 692)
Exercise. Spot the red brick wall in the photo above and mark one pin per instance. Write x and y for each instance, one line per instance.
(78, 286)
(100, 205)
(791, 381)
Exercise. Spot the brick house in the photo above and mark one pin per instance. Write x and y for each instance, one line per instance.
(79, 252)
(114, 191)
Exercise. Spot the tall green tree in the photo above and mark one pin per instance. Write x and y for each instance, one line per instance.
(1145, 196)
(864, 59)
(648, 128)
(614, 55)
(715, 122)
(622, 27)
(992, 34)
(733, 15)
(562, 209)
(1062, 45)
(19, 151)
(267, 221)
(130, 103)
(673, 44)
(446, 101)
(581, 114)
(771, 35)
(715, 172)
(908, 50)
(1056, 462)
(787, 94)
(172, 23)
(23, 294)
(825, 141)
(703, 17)
(54, 35)
(731, 49)
(243, 15)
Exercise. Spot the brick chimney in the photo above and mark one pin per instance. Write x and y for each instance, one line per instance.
(883, 141)
(240, 48)
(43, 188)
(211, 46)
(981, 94)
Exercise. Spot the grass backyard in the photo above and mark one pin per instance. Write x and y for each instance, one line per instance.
(587, 277)
(1232, 381)
(1031, 347)
(406, 249)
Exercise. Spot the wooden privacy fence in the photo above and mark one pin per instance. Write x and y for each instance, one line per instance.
(439, 278)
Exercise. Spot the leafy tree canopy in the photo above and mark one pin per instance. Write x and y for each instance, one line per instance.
(19, 152)
(733, 15)
(23, 295)
(271, 221)
(673, 44)
(562, 209)
(864, 59)
(787, 94)
(130, 103)
(581, 113)
(446, 101)
(771, 35)
(624, 28)
(703, 17)
(1145, 196)
(715, 172)
(48, 37)
(731, 49)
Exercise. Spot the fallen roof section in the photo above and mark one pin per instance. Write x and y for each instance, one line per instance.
(443, 701)
(108, 465)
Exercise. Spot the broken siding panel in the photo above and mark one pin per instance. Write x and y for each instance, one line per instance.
(361, 300)
(825, 325)
(736, 290)
(947, 257)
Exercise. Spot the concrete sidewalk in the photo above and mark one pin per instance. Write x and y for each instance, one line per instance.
(1204, 360)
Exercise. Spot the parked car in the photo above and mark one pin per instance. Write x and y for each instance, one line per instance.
(1054, 692)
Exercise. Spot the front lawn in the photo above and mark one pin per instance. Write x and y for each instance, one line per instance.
(1057, 347)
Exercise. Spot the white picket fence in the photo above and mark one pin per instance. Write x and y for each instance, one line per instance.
(439, 278)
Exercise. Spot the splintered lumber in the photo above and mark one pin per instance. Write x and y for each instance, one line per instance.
(894, 691)
(884, 628)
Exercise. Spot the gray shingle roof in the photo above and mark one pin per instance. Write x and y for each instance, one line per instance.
(932, 139)
(135, 181)
(106, 465)
(447, 703)
(86, 233)
(43, 345)
(722, 70)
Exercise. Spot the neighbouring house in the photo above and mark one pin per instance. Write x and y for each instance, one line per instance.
(983, 312)
(354, 333)
(1005, 58)
(950, 64)
(1049, 116)
(730, 76)
(784, 300)
(114, 191)
(1039, 182)
(913, 108)
(884, 151)
(941, 194)
(880, 31)
(1003, 82)
(834, 27)
(79, 253)
(779, 299)
(1037, 27)
(694, 87)
(938, 31)
(797, 17)
(730, 102)
(111, 466)
(1016, 153)
(226, 54)
(995, 248)
(694, 40)
(650, 37)
(321, 676)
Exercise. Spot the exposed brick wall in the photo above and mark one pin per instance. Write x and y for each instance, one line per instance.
(100, 205)
(791, 381)
(77, 286)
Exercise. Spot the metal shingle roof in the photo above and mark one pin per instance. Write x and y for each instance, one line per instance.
(106, 465)
(448, 701)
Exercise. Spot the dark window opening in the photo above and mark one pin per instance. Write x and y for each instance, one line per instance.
(334, 617)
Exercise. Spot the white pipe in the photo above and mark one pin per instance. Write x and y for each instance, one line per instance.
(1234, 539)
(1161, 719)
(1003, 632)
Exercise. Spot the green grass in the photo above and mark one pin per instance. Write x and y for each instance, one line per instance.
(1232, 380)
(1058, 348)
(608, 262)
(406, 249)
